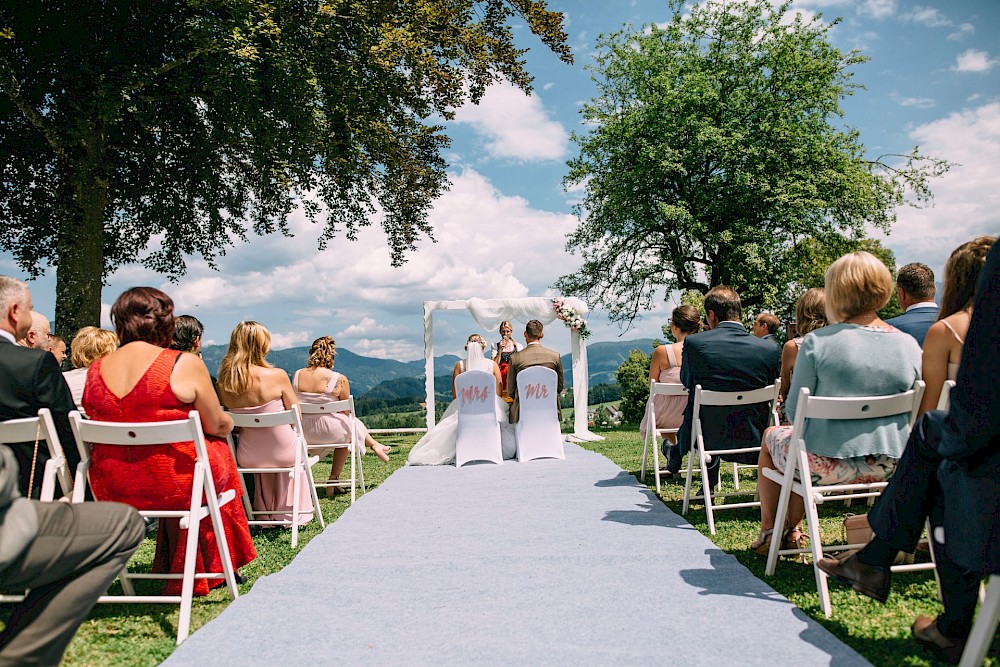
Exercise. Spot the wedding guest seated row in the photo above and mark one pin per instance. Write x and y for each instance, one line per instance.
(915, 291)
(57, 346)
(249, 385)
(665, 366)
(89, 345)
(945, 338)
(858, 354)
(143, 381)
(31, 380)
(765, 325)
(319, 383)
(39, 334)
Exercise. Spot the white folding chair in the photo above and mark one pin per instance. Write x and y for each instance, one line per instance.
(537, 427)
(42, 428)
(478, 437)
(355, 447)
(985, 627)
(300, 472)
(653, 433)
(703, 397)
(139, 434)
(944, 402)
(797, 478)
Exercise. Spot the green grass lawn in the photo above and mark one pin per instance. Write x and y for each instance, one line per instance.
(139, 635)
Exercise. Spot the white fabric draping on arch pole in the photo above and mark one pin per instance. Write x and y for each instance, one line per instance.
(489, 313)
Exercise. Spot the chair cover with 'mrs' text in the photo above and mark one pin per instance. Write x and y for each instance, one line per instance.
(478, 436)
(537, 428)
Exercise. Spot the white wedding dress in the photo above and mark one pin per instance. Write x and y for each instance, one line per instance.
(437, 447)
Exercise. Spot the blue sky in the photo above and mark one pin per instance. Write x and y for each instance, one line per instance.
(933, 80)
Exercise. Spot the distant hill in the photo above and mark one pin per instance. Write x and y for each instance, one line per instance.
(389, 378)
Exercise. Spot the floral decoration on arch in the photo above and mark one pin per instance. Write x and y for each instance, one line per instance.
(568, 310)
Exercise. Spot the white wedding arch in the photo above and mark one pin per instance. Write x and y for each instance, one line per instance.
(489, 313)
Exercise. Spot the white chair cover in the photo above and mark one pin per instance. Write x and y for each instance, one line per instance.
(478, 437)
(537, 428)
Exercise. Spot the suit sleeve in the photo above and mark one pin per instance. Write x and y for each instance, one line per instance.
(52, 392)
(686, 378)
(512, 374)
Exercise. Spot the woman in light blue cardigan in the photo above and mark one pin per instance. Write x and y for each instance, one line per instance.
(857, 355)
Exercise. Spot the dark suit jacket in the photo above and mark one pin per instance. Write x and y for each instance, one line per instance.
(32, 380)
(771, 338)
(727, 358)
(970, 473)
(532, 355)
(916, 322)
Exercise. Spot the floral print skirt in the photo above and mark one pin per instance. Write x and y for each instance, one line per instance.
(825, 470)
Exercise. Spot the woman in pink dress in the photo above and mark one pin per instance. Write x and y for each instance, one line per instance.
(665, 366)
(248, 384)
(319, 383)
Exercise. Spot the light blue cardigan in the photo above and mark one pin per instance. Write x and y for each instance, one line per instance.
(852, 360)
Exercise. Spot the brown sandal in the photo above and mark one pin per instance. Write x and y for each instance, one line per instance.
(763, 544)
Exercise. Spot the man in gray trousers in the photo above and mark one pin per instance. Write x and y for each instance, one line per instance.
(67, 555)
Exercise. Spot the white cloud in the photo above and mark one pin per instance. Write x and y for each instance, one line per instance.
(973, 60)
(928, 16)
(515, 125)
(918, 102)
(283, 341)
(878, 9)
(966, 198)
(963, 31)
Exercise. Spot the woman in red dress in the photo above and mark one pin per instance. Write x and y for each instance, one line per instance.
(142, 381)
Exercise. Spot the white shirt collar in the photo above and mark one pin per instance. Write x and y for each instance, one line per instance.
(922, 304)
(535, 342)
(8, 335)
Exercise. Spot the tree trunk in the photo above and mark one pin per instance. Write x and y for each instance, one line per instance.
(83, 196)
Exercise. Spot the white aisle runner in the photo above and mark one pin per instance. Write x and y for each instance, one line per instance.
(541, 563)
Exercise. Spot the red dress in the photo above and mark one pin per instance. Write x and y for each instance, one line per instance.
(139, 476)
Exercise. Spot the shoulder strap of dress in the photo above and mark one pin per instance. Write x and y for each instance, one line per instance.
(295, 380)
(953, 332)
(671, 357)
(332, 384)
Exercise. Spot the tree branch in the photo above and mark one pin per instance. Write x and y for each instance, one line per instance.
(138, 85)
(12, 89)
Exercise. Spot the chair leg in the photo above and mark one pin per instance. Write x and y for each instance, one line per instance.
(645, 454)
(354, 479)
(315, 496)
(780, 516)
(687, 482)
(984, 628)
(656, 464)
(736, 476)
(215, 516)
(361, 472)
(706, 490)
(295, 507)
(126, 582)
(822, 585)
(930, 550)
(190, 557)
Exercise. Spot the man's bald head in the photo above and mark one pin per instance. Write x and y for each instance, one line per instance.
(40, 332)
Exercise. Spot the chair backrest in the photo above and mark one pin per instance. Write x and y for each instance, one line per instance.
(666, 389)
(129, 434)
(42, 427)
(768, 394)
(475, 392)
(944, 402)
(268, 419)
(857, 407)
(329, 407)
(536, 391)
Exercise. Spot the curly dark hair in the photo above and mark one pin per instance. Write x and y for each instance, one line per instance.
(143, 313)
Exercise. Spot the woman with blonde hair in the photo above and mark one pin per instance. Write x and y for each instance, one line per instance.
(89, 344)
(946, 337)
(248, 384)
(857, 354)
(810, 314)
(319, 383)
(505, 349)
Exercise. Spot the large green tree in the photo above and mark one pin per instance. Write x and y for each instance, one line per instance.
(714, 144)
(148, 130)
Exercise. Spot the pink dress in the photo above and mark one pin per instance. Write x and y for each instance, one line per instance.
(269, 448)
(326, 428)
(669, 410)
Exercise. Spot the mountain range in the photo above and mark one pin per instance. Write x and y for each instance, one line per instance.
(388, 378)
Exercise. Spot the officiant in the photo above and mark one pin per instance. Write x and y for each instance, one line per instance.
(503, 351)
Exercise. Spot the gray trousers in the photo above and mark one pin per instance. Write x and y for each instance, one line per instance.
(77, 553)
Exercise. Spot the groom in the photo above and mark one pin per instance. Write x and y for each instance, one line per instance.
(532, 355)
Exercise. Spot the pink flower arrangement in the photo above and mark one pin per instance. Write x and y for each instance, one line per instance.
(569, 314)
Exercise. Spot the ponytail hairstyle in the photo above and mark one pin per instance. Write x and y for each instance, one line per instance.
(687, 319)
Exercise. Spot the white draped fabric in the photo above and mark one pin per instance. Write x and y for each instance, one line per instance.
(489, 313)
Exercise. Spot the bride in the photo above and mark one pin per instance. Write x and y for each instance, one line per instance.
(437, 447)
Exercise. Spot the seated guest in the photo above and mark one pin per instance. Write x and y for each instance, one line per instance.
(810, 314)
(31, 380)
(944, 340)
(39, 333)
(89, 344)
(765, 326)
(66, 555)
(950, 473)
(532, 355)
(58, 348)
(249, 385)
(665, 366)
(142, 381)
(319, 383)
(856, 355)
(725, 358)
(187, 334)
(915, 292)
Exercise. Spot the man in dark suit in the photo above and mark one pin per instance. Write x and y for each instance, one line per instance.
(31, 380)
(725, 358)
(949, 472)
(532, 355)
(915, 291)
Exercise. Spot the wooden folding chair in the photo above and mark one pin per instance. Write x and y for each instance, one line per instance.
(703, 397)
(653, 433)
(300, 472)
(138, 434)
(944, 402)
(355, 447)
(797, 478)
(478, 434)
